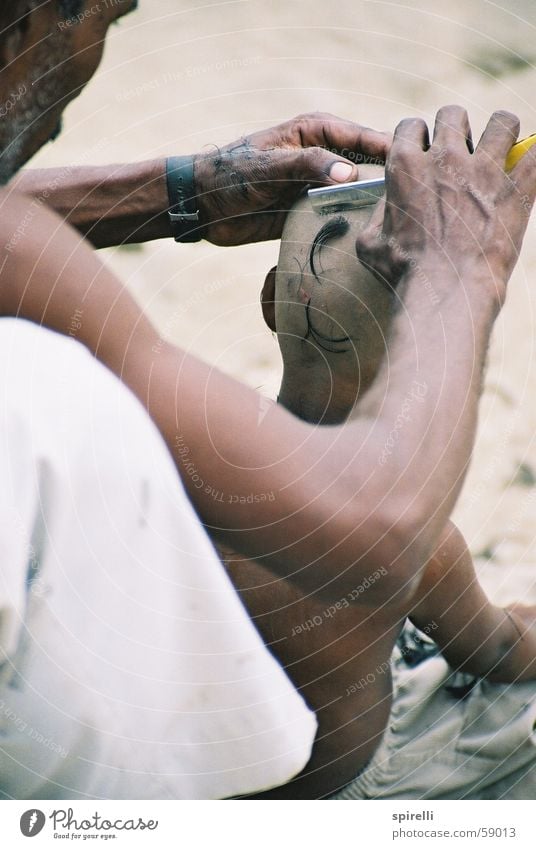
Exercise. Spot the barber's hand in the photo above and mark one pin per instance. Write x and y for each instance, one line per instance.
(246, 188)
(446, 206)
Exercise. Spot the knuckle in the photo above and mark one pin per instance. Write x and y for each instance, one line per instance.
(506, 119)
(316, 115)
(410, 124)
(363, 245)
(298, 128)
(450, 151)
(410, 132)
(314, 158)
(504, 115)
(452, 116)
(312, 120)
(452, 107)
(305, 118)
(404, 157)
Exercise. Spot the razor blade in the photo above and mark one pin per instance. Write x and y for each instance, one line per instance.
(348, 196)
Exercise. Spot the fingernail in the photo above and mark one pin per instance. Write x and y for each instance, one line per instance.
(341, 172)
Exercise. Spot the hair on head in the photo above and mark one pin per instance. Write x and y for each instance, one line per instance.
(330, 230)
(69, 8)
(12, 11)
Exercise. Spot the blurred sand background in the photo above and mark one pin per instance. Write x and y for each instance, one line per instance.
(178, 76)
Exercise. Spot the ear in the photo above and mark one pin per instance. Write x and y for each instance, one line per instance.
(268, 299)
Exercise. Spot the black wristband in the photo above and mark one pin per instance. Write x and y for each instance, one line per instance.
(183, 212)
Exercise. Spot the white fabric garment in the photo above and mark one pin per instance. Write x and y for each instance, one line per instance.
(128, 666)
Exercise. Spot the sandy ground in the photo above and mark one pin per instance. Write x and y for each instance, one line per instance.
(177, 77)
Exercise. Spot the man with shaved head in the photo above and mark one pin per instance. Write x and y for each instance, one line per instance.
(128, 668)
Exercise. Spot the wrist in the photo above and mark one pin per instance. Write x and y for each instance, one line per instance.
(183, 210)
(214, 179)
(204, 179)
(437, 285)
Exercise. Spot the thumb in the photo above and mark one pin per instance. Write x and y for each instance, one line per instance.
(314, 165)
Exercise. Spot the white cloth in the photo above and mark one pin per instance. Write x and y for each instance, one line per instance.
(128, 666)
(450, 735)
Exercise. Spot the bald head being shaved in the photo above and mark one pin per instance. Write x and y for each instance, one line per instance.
(331, 313)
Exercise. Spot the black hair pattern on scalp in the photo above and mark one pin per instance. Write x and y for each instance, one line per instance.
(332, 229)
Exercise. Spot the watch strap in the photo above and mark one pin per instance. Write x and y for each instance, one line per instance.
(183, 212)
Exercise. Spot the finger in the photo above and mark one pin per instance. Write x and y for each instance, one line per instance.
(411, 132)
(374, 226)
(356, 143)
(452, 129)
(366, 247)
(498, 137)
(375, 221)
(310, 165)
(411, 137)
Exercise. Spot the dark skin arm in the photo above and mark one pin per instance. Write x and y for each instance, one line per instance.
(473, 634)
(244, 189)
(337, 514)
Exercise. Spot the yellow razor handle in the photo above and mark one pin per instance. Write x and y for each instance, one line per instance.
(518, 150)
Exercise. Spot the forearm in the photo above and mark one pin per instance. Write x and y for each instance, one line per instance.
(242, 189)
(474, 635)
(428, 391)
(108, 204)
(314, 503)
(450, 229)
(517, 658)
(306, 500)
